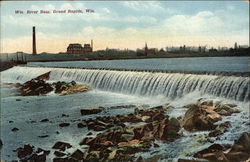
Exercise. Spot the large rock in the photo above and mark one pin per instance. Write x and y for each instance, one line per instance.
(213, 153)
(64, 124)
(75, 89)
(62, 146)
(226, 109)
(38, 86)
(77, 155)
(27, 153)
(35, 87)
(59, 154)
(241, 149)
(171, 130)
(89, 111)
(220, 129)
(197, 118)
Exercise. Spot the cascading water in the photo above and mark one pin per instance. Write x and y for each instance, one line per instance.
(151, 84)
(171, 85)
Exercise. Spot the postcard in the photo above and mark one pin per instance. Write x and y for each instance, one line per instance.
(143, 81)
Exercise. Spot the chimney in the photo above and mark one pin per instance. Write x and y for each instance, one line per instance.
(92, 44)
(34, 41)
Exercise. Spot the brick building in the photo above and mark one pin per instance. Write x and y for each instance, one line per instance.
(77, 49)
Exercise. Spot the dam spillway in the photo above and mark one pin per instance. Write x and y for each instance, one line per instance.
(144, 83)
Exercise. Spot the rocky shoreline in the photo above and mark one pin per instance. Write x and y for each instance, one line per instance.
(38, 86)
(122, 137)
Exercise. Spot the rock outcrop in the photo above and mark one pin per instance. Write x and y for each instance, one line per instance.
(204, 114)
(89, 111)
(123, 141)
(240, 151)
(62, 146)
(38, 86)
(28, 153)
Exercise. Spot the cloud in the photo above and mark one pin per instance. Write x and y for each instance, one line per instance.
(148, 6)
(45, 7)
(202, 23)
(106, 10)
(27, 21)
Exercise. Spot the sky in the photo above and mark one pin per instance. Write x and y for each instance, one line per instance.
(124, 24)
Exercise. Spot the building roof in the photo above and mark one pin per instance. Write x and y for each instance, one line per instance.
(75, 45)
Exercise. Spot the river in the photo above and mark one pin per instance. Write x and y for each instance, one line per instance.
(203, 64)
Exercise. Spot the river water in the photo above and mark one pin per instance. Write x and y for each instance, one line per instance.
(111, 88)
(205, 64)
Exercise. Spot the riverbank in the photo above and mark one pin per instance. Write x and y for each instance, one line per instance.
(8, 65)
(119, 56)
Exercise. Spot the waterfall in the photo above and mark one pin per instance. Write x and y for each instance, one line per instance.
(171, 85)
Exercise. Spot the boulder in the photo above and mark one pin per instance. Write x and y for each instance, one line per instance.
(64, 115)
(145, 118)
(35, 87)
(25, 151)
(81, 125)
(93, 156)
(226, 109)
(62, 146)
(122, 107)
(89, 134)
(44, 136)
(205, 102)
(240, 151)
(130, 143)
(74, 89)
(37, 157)
(197, 118)
(89, 111)
(171, 129)
(44, 120)
(77, 155)
(64, 124)
(213, 153)
(38, 86)
(241, 148)
(14, 129)
(220, 129)
(44, 76)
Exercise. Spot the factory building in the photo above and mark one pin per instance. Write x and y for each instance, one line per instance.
(77, 49)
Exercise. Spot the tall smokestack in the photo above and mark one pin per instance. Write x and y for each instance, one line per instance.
(34, 41)
(92, 44)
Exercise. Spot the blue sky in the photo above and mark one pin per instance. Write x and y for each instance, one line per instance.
(125, 24)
